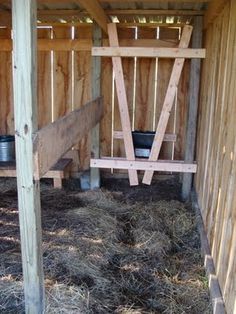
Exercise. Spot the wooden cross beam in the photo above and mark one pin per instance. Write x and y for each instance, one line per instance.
(123, 104)
(168, 103)
(96, 11)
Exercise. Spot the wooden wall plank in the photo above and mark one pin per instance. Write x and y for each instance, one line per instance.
(6, 99)
(216, 178)
(145, 86)
(62, 71)
(82, 90)
(44, 81)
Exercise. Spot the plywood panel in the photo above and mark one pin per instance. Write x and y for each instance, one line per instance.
(6, 98)
(44, 82)
(216, 149)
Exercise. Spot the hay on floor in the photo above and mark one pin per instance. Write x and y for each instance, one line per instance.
(106, 254)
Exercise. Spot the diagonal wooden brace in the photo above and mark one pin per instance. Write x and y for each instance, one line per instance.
(123, 104)
(168, 104)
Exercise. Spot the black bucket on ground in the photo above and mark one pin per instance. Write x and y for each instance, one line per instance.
(7, 148)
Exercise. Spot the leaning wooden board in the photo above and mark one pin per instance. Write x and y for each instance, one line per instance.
(123, 105)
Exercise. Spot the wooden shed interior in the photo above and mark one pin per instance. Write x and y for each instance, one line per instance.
(106, 68)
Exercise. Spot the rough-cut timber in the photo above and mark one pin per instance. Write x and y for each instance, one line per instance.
(52, 141)
(123, 104)
(96, 92)
(193, 107)
(25, 108)
(148, 52)
(138, 164)
(216, 149)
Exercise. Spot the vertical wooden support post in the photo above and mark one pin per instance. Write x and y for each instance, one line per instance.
(193, 106)
(24, 14)
(96, 92)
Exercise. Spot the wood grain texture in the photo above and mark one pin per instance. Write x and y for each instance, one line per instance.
(25, 112)
(138, 164)
(62, 88)
(95, 180)
(83, 90)
(128, 69)
(54, 140)
(168, 103)
(145, 87)
(122, 102)
(215, 181)
(6, 99)
(44, 82)
(193, 101)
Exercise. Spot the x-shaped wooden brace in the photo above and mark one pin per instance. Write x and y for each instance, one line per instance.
(167, 106)
(168, 103)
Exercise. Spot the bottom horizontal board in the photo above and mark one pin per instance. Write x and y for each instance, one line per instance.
(143, 164)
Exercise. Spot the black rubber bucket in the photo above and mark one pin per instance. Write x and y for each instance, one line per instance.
(7, 148)
(142, 143)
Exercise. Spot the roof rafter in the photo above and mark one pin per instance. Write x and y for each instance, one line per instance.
(96, 11)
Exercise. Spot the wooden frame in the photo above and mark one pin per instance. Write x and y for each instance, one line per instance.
(148, 52)
(52, 141)
(132, 164)
(143, 164)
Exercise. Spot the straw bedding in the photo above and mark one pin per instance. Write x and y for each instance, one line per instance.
(108, 251)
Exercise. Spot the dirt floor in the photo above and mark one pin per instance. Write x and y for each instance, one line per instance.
(115, 250)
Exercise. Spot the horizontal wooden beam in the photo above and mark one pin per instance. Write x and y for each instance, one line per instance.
(167, 138)
(148, 52)
(51, 142)
(148, 1)
(86, 44)
(143, 164)
(154, 12)
(48, 2)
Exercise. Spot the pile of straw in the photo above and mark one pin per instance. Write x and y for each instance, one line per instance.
(104, 254)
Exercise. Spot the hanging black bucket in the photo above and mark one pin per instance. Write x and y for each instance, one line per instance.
(142, 143)
(7, 148)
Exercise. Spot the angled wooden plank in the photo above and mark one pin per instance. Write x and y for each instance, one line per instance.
(25, 109)
(52, 141)
(138, 164)
(148, 52)
(194, 86)
(122, 101)
(96, 11)
(168, 103)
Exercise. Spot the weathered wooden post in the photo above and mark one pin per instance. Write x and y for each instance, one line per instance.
(24, 14)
